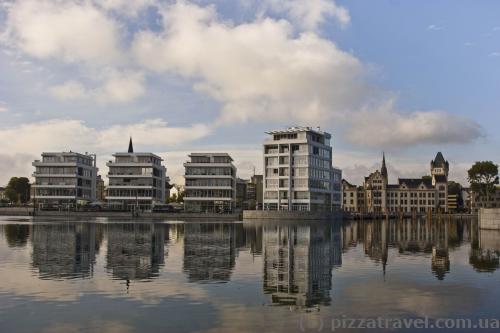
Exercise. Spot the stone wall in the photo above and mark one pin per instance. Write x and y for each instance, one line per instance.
(489, 218)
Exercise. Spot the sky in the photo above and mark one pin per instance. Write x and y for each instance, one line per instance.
(408, 78)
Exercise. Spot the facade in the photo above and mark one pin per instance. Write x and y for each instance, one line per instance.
(2, 193)
(478, 201)
(337, 188)
(298, 170)
(353, 197)
(64, 179)
(136, 180)
(100, 189)
(255, 193)
(210, 183)
(409, 195)
(241, 193)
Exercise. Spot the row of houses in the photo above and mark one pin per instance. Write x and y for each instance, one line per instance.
(428, 194)
(298, 175)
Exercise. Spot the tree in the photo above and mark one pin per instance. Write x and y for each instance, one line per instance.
(429, 178)
(483, 178)
(454, 188)
(18, 190)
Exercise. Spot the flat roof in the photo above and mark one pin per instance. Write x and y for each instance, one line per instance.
(210, 154)
(296, 129)
(137, 154)
(67, 153)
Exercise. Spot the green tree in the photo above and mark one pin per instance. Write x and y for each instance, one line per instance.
(454, 188)
(483, 178)
(18, 190)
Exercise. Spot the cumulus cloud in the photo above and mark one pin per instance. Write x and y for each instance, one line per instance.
(385, 127)
(263, 71)
(310, 14)
(258, 70)
(126, 7)
(65, 30)
(118, 87)
(27, 141)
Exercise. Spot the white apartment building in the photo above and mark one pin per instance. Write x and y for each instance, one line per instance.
(298, 170)
(64, 180)
(210, 183)
(136, 180)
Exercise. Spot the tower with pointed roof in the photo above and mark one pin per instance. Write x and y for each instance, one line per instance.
(383, 170)
(130, 146)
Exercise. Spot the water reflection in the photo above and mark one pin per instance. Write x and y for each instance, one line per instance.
(298, 262)
(136, 251)
(65, 251)
(16, 234)
(485, 252)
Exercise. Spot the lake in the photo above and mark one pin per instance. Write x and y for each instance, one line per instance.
(100, 276)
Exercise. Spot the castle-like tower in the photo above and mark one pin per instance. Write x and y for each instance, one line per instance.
(439, 166)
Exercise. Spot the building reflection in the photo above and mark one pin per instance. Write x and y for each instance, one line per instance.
(298, 262)
(136, 251)
(409, 237)
(65, 251)
(485, 250)
(210, 250)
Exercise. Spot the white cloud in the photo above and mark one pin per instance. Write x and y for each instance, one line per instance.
(118, 87)
(434, 27)
(66, 30)
(494, 54)
(3, 109)
(310, 14)
(385, 127)
(262, 71)
(126, 7)
(257, 70)
(31, 139)
(69, 90)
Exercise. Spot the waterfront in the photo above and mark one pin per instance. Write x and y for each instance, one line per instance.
(241, 277)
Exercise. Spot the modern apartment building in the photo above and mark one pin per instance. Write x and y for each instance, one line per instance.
(64, 179)
(337, 189)
(210, 183)
(136, 180)
(298, 170)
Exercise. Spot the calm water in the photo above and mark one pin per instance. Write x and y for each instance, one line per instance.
(241, 277)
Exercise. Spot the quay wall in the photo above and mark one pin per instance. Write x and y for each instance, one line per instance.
(489, 218)
(121, 215)
(290, 215)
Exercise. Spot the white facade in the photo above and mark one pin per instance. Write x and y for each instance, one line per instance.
(298, 170)
(210, 183)
(136, 181)
(64, 179)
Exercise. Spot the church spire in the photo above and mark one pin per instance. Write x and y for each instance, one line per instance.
(383, 170)
(130, 146)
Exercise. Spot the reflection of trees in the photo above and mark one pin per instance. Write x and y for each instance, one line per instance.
(485, 251)
(135, 250)
(298, 261)
(210, 250)
(65, 250)
(17, 235)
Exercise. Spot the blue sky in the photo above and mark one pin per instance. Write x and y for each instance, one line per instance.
(407, 77)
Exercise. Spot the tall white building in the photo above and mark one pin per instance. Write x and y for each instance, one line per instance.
(64, 179)
(136, 180)
(210, 183)
(298, 170)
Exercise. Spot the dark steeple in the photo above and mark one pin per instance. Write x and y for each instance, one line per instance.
(130, 146)
(439, 160)
(383, 170)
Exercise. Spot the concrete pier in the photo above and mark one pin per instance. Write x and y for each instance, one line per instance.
(290, 215)
(489, 218)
